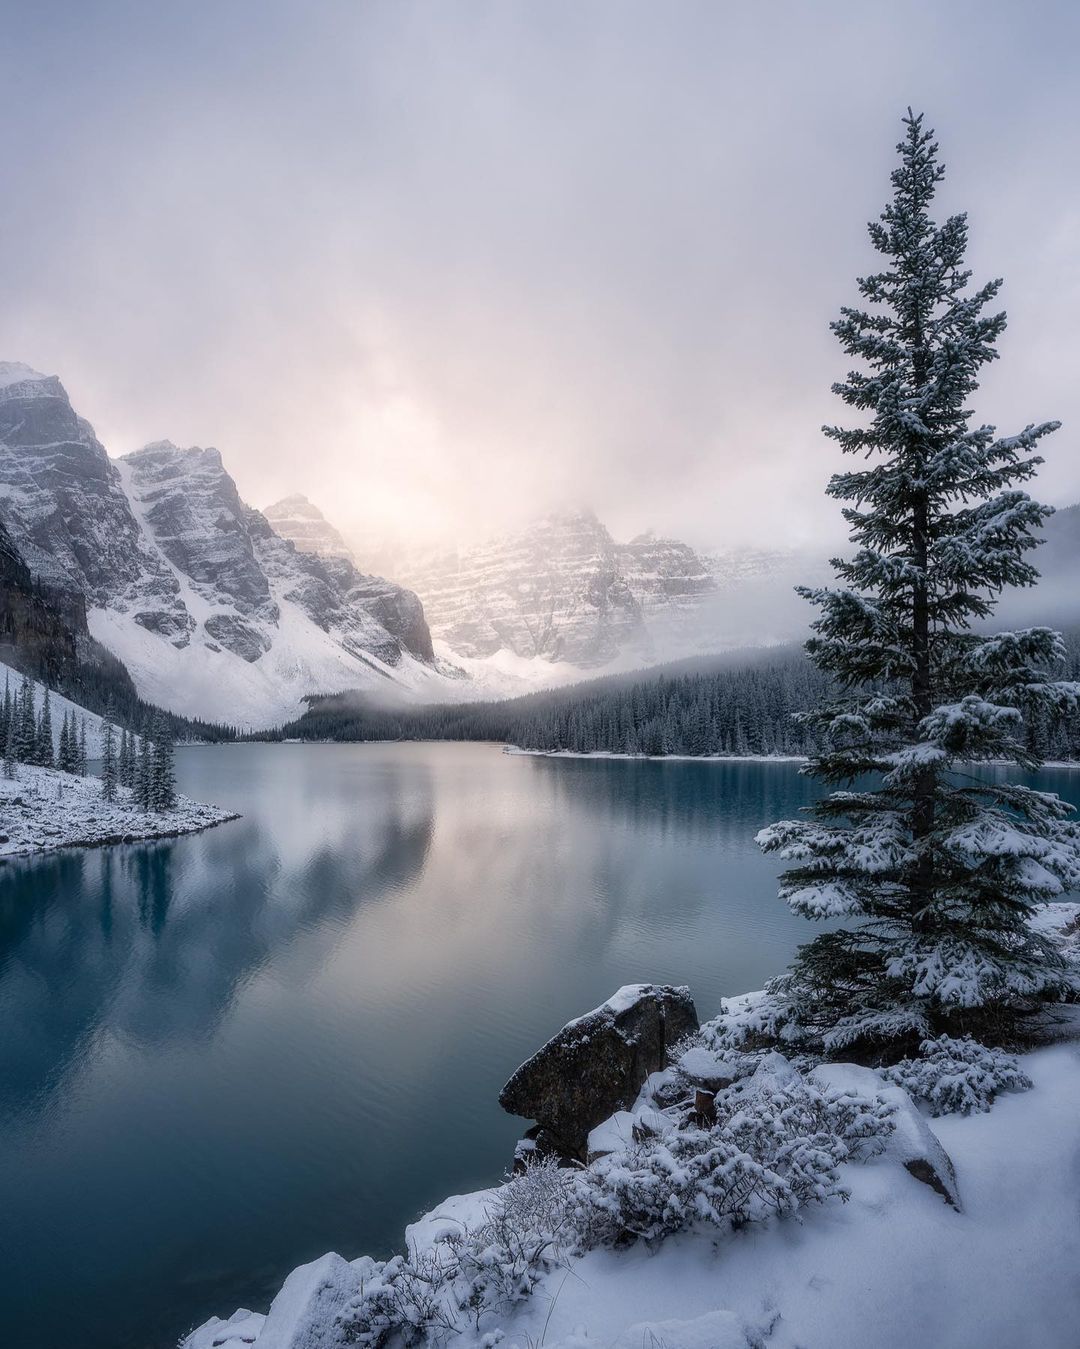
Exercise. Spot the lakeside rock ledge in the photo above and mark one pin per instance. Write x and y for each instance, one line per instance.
(596, 1065)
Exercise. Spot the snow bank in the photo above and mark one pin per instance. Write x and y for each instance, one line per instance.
(892, 1268)
(42, 809)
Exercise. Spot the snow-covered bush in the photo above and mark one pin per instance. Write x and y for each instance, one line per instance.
(776, 1144)
(958, 1076)
(437, 1289)
(529, 1228)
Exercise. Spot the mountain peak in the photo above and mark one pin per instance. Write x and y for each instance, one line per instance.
(15, 372)
(301, 522)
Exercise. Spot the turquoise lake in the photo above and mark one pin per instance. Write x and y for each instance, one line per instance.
(225, 1054)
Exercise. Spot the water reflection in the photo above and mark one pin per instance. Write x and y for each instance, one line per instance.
(225, 1054)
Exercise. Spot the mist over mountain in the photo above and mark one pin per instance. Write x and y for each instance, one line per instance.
(213, 613)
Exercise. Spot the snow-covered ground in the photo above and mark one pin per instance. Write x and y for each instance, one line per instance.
(43, 808)
(894, 1267)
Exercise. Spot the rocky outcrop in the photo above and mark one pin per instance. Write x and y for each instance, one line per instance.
(597, 1064)
(64, 505)
(194, 514)
(295, 518)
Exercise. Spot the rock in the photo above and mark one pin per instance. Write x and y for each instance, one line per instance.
(301, 522)
(626, 1127)
(705, 1069)
(597, 1065)
(304, 1313)
(241, 1328)
(241, 638)
(912, 1143)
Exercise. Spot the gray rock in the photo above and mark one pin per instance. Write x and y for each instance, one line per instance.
(241, 638)
(912, 1143)
(597, 1064)
(301, 522)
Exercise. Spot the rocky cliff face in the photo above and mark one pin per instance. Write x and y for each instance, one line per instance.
(64, 505)
(215, 614)
(558, 590)
(295, 518)
(565, 590)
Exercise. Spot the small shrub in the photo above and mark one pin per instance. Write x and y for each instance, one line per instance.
(958, 1076)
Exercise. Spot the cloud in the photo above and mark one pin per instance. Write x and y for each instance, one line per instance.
(440, 266)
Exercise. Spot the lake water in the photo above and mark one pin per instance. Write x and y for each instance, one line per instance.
(223, 1055)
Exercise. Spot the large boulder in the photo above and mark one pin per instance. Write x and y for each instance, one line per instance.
(912, 1142)
(597, 1064)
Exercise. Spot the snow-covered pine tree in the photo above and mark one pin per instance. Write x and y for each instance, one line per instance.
(64, 760)
(108, 757)
(5, 711)
(80, 755)
(164, 771)
(939, 868)
(26, 723)
(46, 756)
(126, 759)
(9, 750)
(144, 774)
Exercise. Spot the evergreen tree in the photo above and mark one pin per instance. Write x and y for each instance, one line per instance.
(941, 871)
(26, 729)
(9, 750)
(144, 774)
(108, 758)
(126, 760)
(164, 770)
(64, 757)
(5, 712)
(45, 753)
(80, 756)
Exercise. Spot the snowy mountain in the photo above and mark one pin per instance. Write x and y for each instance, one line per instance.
(563, 590)
(214, 613)
(295, 518)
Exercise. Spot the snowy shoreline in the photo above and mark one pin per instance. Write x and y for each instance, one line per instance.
(715, 758)
(45, 809)
(991, 1261)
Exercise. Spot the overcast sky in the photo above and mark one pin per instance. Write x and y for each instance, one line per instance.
(443, 265)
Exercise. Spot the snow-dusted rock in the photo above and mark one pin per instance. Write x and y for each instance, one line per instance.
(554, 590)
(304, 1313)
(626, 1127)
(301, 522)
(705, 1068)
(597, 1063)
(912, 1143)
(243, 1327)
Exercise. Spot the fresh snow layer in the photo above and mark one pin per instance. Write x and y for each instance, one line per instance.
(43, 808)
(895, 1267)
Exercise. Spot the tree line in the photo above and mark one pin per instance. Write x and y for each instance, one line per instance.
(142, 764)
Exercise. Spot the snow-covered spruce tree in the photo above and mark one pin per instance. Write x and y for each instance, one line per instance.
(938, 869)
(109, 770)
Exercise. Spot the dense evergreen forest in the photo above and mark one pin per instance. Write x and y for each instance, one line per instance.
(744, 705)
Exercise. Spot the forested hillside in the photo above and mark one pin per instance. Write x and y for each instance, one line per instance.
(739, 708)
